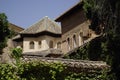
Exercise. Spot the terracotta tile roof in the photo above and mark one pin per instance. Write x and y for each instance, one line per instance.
(79, 65)
(45, 24)
(15, 27)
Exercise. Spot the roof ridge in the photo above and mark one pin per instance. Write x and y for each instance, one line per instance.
(45, 24)
(31, 26)
(36, 22)
(55, 24)
(40, 20)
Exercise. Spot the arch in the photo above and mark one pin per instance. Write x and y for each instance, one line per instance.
(68, 43)
(81, 34)
(59, 45)
(74, 41)
(32, 45)
(51, 44)
(80, 38)
(39, 44)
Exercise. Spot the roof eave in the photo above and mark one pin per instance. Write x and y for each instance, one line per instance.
(41, 33)
(16, 26)
(17, 38)
(69, 10)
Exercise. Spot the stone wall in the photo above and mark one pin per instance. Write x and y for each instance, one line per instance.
(5, 57)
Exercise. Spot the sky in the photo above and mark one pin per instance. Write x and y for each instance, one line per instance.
(27, 12)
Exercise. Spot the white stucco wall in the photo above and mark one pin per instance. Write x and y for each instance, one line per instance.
(44, 43)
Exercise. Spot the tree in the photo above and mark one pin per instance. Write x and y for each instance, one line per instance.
(4, 31)
(105, 20)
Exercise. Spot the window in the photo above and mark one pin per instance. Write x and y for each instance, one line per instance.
(59, 45)
(31, 45)
(39, 44)
(74, 41)
(68, 42)
(81, 34)
(81, 38)
(51, 44)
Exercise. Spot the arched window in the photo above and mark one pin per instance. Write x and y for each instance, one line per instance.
(74, 41)
(39, 44)
(51, 44)
(80, 38)
(32, 45)
(59, 45)
(68, 42)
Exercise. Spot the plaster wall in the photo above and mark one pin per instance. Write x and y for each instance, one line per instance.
(45, 43)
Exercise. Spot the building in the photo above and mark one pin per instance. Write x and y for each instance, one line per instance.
(48, 37)
(5, 57)
(40, 39)
(75, 28)
(15, 28)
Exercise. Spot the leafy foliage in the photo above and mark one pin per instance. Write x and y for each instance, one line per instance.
(7, 72)
(105, 18)
(16, 54)
(46, 71)
(105, 21)
(4, 31)
(81, 53)
(12, 33)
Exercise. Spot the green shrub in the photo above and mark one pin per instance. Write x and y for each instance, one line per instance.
(8, 72)
(16, 53)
